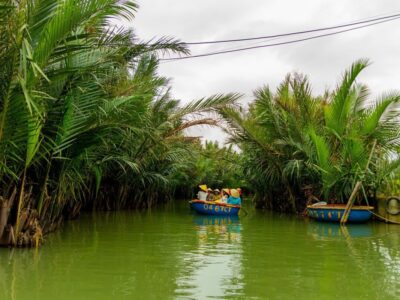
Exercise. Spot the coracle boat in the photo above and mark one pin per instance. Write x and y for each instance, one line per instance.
(334, 212)
(214, 208)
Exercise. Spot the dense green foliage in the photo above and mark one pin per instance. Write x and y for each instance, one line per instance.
(86, 121)
(211, 164)
(291, 139)
(84, 117)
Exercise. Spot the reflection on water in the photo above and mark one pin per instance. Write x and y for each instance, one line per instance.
(213, 268)
(326, 230)
(171, 253)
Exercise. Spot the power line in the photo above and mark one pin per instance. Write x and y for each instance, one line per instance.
(296, 32)
(277, 44)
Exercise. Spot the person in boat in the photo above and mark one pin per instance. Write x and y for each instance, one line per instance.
(202, 194)
(217, 194)
(210, 195)
(234, 197)
(224, 196)
(309, 193)
(311, 199)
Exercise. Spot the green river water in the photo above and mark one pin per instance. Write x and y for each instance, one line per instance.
(171, 253)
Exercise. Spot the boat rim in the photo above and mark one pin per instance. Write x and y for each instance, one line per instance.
(340, 206)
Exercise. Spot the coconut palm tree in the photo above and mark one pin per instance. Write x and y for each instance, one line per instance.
(290, 139)
(79, 98)
(358, 137)
(276, 148)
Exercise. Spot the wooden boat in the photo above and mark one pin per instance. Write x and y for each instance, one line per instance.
(334, 212)
(214, 208)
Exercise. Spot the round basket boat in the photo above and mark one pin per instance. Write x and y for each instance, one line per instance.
(334, 212)
(214, 208)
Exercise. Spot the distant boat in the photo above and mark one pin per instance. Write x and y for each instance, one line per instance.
(214, 208)
(334, 212)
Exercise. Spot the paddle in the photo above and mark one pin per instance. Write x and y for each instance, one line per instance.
(244, 210)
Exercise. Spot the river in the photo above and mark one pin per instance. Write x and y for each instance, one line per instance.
(172, 253)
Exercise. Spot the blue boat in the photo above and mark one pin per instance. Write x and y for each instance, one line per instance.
(214, 208)
(334, 212)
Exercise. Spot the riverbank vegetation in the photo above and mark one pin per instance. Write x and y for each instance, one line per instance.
(217, 165)
(84, 118)
(86, 122)
(291, 139)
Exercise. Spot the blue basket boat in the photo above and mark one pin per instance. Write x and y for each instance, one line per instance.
(334, 212)
(214, 208)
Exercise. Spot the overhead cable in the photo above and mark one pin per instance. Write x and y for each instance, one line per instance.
(278, 44)
(370, 20)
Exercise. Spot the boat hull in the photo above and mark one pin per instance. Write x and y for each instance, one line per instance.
(216, 209)
(334, 212)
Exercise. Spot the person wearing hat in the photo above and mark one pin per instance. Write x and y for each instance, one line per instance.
(234, 197)
(217, 194)
(210, 195)
(202, 194)
(225, 195)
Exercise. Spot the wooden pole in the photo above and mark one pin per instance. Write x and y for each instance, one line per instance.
(350, 203)
(352, 198)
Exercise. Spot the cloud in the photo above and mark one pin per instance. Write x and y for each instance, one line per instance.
(324, 60)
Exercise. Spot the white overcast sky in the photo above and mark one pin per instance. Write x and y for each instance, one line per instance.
(323, 60)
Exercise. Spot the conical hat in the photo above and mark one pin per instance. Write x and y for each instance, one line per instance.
(235, 193)
(203, 187)
(227, 191)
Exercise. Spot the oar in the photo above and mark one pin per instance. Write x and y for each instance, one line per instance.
(244, 210)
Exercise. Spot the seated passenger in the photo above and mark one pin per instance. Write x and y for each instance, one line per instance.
(309, 193)
(217, 194)
(210, 195)
(234, 197)
(225, 196)
(202, 194)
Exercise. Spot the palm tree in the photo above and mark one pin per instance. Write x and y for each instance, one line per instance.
(79, 98)
(217, 166)
(290, 139)
(356, 131)
(276, 149)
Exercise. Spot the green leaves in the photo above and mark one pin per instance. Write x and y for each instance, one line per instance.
(291, 138)
(337, 114)
(80, 101)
